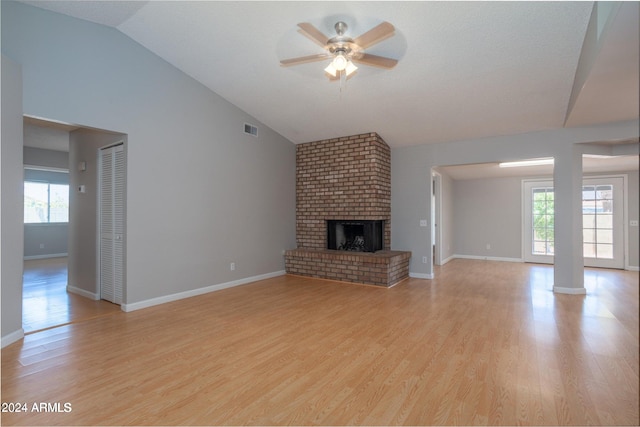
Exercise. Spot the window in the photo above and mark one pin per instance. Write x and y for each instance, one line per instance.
(543, 220)
(602, 221)
(597, 221)
(45, 202)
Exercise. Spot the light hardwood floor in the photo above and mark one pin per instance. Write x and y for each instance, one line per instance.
(46, 302)
(485, 343)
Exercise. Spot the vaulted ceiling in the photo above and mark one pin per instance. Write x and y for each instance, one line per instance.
(466, 69)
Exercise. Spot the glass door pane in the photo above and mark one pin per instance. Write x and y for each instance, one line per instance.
(602, 218)
(542, 203)
(597, 221)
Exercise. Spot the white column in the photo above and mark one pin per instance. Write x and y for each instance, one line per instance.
(567, 183)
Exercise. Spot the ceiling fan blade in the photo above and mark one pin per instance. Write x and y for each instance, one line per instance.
(376, 61)
(305, 59)
(314, 34)
(375, 35)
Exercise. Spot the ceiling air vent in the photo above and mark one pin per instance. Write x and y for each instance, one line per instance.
(250, 129)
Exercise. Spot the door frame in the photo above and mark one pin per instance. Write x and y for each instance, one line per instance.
(623, 236)
(624, 245)
(436, 217)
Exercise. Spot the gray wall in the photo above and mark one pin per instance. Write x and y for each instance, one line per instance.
(200, 193)
(11, 203)
(489, 211)
(44, 157)
(84, 145)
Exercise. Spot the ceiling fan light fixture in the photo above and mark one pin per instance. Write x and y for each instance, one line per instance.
(331, 69)
(340, 61)
(350, 68)
(341, 49)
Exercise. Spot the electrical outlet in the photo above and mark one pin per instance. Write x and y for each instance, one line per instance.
(41, 245)
(424, 259)
(633, 223)
(488, 246)
(423, 223)
(232, 266)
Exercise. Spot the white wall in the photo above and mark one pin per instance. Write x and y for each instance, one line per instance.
(11, 203)
(201, 193)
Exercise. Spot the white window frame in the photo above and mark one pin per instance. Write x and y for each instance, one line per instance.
(620, 212)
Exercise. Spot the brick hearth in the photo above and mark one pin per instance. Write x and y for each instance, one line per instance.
(346, 178)
(382, 268)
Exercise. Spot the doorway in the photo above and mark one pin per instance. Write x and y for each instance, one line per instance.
(602, 221)
(64, 289)
(46, 303)
(436, 218)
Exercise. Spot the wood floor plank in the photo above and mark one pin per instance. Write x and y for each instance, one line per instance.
(484, 343)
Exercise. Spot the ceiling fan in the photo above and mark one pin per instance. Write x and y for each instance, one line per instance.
(343, 50)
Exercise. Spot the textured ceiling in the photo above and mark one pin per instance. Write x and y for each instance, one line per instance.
(466, 69)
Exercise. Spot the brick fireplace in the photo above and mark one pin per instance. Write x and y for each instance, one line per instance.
(345, 180)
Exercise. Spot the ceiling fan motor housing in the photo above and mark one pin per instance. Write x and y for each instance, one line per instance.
(341, 43)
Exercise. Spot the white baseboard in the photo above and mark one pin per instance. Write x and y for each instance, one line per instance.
(45, 256)
(421, 275)
(446, 260)
(12, 337)
(488, 258)
(633, 268)
(195, 292)
(570, 291)
(83, 293)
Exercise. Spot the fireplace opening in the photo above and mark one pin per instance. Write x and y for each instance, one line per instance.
(355, 235)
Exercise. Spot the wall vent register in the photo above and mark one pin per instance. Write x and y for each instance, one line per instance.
(250, 129)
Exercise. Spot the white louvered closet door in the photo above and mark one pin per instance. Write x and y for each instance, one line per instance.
(112, 178)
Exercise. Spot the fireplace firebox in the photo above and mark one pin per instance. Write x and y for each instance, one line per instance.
(355, 235)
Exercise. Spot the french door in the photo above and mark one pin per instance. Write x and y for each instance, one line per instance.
(602, 222)
(111, 223)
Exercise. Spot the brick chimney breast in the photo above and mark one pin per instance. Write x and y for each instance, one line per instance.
(344, 179)
(347, 178)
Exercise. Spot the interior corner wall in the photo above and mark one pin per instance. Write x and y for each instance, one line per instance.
(11, 203)
(200, 192)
